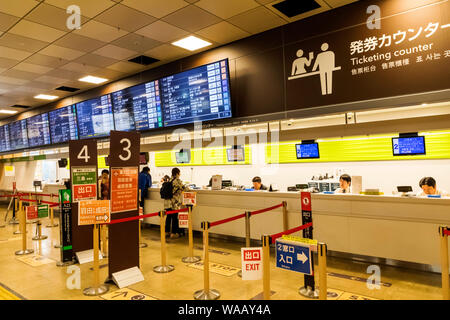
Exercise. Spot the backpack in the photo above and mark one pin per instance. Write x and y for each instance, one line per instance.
(166, 190)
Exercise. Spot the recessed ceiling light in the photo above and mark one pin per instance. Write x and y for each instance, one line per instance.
(7, 111)
(46, 97)
(191, 43)
(92, 79)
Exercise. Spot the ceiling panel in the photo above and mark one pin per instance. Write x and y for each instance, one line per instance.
(223, 32)
(44, 60)
(52, 80)
(96, 60)
(100, 31)
(79, 67)
(339, 3)
(162, 31)
(136, 42)
(166, 52)
(88, 8)
(17, 8)
(115, 52)
(192, 18)
(227, 9)
(257, 20)
(20, 74)
(22, 43)
(61, 52)
(41, 85)
(7, 21)
(126, 67)
(14, 54)
(15, 81)
(109, 74)
(51, 16)
(36, 31)
(7, 63)
(125, 17)
(24, 66)
(65, 74)
(156, 8)
(77, 42)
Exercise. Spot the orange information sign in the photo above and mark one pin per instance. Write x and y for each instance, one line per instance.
(124, 189)
(190, 198)
(93, 212)
(32, 212)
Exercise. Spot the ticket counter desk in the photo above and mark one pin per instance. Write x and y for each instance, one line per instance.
(401, 229)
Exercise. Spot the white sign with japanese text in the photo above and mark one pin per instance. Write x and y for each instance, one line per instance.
(251, 263)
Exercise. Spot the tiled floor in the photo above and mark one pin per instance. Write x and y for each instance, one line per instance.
(49, 281)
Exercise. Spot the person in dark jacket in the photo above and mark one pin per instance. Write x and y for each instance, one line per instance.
(145, 182)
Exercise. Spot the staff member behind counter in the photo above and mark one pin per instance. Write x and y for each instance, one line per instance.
(345, 182)
(428, 185)
(257, 185)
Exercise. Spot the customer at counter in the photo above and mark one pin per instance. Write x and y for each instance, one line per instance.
(174, 203)
(104, 185)
(257, 184)
(428, 185)
(145, 182)
(345, 182)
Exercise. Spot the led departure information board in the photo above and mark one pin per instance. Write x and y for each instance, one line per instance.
(138, 107)
(200, 94)
(18, 135)
(95, 118)
(4, 138)
(405, 146)
(63, 124)
(307, 150)
(38, 130)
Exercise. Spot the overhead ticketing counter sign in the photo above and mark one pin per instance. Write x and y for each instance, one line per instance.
(409, 53)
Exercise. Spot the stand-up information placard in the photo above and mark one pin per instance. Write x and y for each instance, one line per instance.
(65, 203)
(83, 173)
(123, 239)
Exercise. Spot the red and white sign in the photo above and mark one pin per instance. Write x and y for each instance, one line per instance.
(306, 201)
(124, 189)
(84, 192)
(189, 198)
(32, 212)
(183, 220)
(251, 263)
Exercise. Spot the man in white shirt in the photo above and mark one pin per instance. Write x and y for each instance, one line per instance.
(345, 182)
(428, 185)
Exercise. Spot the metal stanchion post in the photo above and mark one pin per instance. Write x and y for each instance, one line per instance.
(247, 235)
(163, 268)
(39, 235)
(141, 244)
(285, 216)
(98, 288)
(266, 266)
(206, 293)
(444, 263)
(52, 224)
(19, 212)
(103, 231)
(190, 258)
(322, 253)
(23, 227)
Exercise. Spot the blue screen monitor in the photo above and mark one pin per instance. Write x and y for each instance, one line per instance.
(4, 138)
(63, 124)
(307, 151)
(199, 94)
(38, 130)
(95, 118)
(183, 156)
(407, 146)
(18, 135)
(138, 107)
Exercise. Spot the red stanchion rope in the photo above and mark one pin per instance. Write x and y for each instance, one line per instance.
(176, 211)
(277, 235)
(267, 209)
(447, 232)
(216, 223)
(28, 200)
(48, 202)
(133, 218)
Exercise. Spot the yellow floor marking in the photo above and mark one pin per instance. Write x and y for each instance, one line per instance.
(7, 295)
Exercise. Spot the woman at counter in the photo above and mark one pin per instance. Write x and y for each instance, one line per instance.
(174, 203)
(345, 182)
(428, 186)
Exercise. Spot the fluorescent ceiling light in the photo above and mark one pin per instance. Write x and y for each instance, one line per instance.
(191, 43)
(45, 97)
(7, 111)
(92, 79)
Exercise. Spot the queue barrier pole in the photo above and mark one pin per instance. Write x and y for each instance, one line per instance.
(141, 244)
(248, 214)
(206, 293)
(322, 254)
(163, 268)
(52, 224)
(103, 230)
(97, 289)
(190, 258)
(19, 214)
(266, 266)
(285, 216)
(444, 262)
(23, 228)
